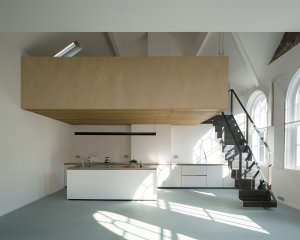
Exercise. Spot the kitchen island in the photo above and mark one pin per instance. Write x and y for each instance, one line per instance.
(115, 182)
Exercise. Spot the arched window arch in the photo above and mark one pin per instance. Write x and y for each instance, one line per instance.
(292, 127)
(258, 109)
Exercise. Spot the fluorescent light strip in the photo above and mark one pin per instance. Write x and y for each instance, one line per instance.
(69, 51)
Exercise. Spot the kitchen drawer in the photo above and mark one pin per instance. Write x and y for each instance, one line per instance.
(193, 181)
(194, 170)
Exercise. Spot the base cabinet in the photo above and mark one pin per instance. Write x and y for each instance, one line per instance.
(210, 176)
(174, 178)
(194, 181)
(132, 184)
(227, 180)
(177, 175)
(215, 176)
(65, 172)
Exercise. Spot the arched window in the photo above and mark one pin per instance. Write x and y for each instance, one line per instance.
(258, 109)
(292, 124)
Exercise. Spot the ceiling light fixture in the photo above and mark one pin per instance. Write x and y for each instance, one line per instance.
(221, 44)
(70, 50)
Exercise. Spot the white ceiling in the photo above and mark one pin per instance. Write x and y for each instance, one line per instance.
(249, 53)
(149, 16)
(155, 28)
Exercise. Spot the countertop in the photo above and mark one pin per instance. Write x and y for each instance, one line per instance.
(110, 167)
(149, 164)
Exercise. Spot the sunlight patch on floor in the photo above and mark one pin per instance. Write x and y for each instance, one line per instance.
(183, 237)
(235, 220)
(217, 216)
(132, 229)
(205, 193)
(189, 210)
(158, 204)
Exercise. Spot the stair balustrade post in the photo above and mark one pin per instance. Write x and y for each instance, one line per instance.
(231, 102)
(240, 165)
(247, 129)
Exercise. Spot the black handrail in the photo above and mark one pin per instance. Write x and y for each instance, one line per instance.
(248, 117)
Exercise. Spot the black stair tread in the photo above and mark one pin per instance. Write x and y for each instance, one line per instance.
(266, 204)
(245, 183)
(227, 147)
(254, 192)
(254, 195)
(214, 119)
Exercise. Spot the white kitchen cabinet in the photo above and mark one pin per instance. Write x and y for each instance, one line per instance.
(100, 183)
(193, 181)
(193, 170)
(214, 176)
(66, 166)
(193, 176)
(227, 180)
(163, 171)
(174, 178)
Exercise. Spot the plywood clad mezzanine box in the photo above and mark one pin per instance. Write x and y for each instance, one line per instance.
(116, 90)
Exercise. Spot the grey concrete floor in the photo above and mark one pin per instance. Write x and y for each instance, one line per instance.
(178, 214)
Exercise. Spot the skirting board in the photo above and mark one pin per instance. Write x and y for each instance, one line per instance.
(289, 204)
(196, 188)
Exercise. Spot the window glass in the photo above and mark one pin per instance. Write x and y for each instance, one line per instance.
(258, 109)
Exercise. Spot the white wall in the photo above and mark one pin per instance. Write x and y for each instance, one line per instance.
(151, 149)
(167, 45)
(185, 142)
(33, 148)
(195, 144)
(114, 147)
(280, 72)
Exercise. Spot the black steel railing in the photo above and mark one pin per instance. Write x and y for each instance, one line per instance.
(248, 119)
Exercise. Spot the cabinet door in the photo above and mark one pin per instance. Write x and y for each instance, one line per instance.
(215, 176)
(163, 172)
(174, 178)
(227, 180)
(193, 170)
(193, 181)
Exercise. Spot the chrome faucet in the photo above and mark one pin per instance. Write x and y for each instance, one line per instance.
(82, 162)
(106, 161)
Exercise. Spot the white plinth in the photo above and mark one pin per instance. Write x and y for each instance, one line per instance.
(125, 184)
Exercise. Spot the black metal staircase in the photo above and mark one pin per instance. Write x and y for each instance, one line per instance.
(254, 190)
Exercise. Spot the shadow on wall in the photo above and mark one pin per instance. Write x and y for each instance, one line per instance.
(208, 149)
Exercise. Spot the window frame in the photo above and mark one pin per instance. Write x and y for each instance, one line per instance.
(292, 117)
